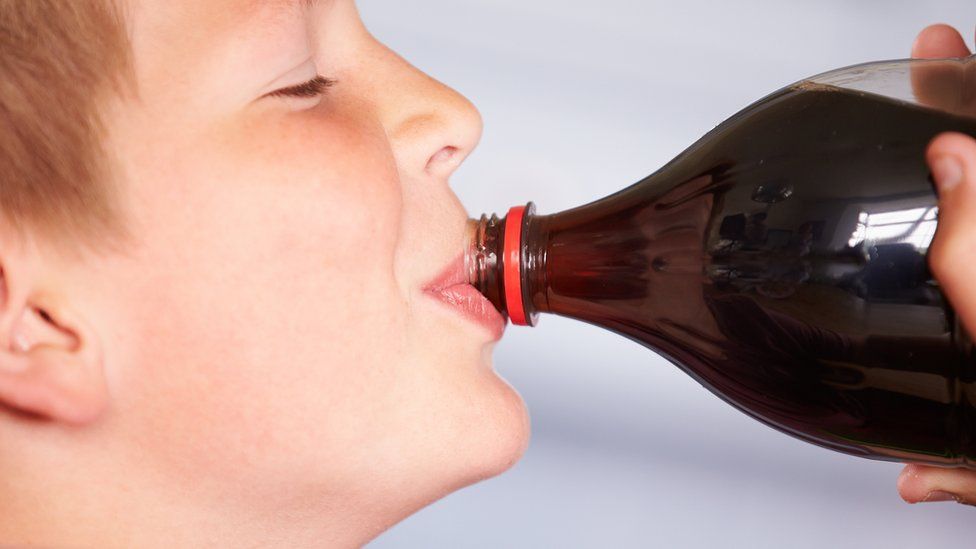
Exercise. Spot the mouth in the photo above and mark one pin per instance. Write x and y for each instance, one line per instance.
(451, 287)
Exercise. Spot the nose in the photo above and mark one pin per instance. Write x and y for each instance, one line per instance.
(431, 127)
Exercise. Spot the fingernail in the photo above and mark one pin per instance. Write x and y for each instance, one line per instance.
(947, 172)
(939, 495)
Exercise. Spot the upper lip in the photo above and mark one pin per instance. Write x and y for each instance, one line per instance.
(452, 275)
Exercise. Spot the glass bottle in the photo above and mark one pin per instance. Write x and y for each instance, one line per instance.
(780, 261)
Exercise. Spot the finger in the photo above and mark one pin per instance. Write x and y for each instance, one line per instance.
(937, 41)
(952, 158)
(920, 484)
(942, 85)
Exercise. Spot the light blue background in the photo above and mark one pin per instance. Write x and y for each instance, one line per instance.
(581, 98)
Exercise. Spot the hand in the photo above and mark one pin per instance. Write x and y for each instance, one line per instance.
(952, 158)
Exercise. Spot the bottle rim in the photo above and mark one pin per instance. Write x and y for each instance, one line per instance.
(512, 276)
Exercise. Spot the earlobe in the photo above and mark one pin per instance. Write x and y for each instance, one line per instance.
(50, 362)
(50, 383)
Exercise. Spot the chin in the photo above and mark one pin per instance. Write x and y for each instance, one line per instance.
(482, 434)
(476, 426)
(502, 438)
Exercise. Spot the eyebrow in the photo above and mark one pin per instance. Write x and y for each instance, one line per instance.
(284, 4)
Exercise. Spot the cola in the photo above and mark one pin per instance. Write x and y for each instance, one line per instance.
(780, 261)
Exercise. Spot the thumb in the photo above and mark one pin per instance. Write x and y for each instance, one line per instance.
(952, 159)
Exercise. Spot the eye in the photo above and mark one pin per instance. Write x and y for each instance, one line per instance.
(313, 88)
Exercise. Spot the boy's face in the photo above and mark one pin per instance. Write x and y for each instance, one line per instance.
(270, 341)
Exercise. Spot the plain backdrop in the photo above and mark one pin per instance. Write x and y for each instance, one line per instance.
(581, 98)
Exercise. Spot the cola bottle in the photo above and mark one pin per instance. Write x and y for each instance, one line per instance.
(780, 261)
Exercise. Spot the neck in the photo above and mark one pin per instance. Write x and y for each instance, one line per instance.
(93, 506)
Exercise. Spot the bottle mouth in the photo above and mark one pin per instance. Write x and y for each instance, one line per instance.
(512, 261)
(498, 262)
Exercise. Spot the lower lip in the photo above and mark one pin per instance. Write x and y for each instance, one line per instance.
(468, 301)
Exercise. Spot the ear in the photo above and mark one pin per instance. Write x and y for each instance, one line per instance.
(50, 364)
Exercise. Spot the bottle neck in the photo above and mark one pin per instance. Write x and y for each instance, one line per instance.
(505, 261)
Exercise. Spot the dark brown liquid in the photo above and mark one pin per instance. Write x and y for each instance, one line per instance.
(768, 261)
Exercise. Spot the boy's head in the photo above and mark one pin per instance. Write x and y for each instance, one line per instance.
(218, 218)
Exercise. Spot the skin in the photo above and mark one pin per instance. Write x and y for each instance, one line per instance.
(260, 366)
(952, 158)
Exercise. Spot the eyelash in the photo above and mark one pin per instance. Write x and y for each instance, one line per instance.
(313, 88)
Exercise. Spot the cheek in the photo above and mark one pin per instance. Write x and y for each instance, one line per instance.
(295, 229)
(272, 266)
(327, 182)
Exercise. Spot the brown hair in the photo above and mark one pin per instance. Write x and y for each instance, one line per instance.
(60, 60)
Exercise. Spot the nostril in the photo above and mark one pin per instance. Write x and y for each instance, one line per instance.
(445, 156)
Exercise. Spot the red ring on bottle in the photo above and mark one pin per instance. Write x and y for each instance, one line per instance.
(512, 255)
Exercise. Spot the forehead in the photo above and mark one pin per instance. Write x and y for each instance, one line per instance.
(211, 16)
(188, 29)
(246, 9)
(219, 14)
